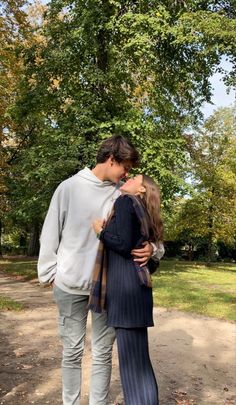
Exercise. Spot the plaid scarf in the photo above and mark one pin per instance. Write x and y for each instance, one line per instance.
(97, 298)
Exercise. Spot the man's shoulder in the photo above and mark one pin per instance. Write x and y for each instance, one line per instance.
(66, 184)
(73, 178)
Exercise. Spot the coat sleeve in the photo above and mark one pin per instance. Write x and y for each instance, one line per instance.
(122, 240)
(50, 238)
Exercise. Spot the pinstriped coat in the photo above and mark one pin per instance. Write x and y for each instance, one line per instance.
(129, 305)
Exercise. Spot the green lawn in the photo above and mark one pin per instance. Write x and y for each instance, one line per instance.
(16, 267)
(20, 267)
(9, 304)
(194, 287)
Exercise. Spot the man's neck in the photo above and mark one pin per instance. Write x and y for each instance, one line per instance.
(99, 171)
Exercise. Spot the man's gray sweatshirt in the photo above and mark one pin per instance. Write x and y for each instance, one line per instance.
(68, 243)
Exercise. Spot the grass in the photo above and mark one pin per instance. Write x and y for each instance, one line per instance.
(27, 269)
(9, 304)
(195, 287)
(187, 286)
(23, 268)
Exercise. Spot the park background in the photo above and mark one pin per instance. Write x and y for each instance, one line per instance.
(76, 72)
(73, 73)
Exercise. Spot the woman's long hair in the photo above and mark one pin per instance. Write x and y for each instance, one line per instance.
(152, 201)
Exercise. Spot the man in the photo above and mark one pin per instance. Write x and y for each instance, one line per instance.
(67, 255)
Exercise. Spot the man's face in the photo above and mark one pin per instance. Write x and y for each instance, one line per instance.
(117, 171)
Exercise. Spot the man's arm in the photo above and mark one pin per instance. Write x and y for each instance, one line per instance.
(158, 251)
(153, 251)
(50, 239)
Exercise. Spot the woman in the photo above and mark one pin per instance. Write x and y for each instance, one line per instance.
(136, 218)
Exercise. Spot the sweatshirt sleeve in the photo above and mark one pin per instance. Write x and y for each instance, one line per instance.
(50, 238)
(158, 251)
(121, 241)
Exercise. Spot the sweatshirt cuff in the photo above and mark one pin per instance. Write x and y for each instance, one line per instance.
(158, 251)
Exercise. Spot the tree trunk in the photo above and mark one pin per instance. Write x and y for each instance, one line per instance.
(23, 243)
(190, 252)
(33, 248)
(210, 229)
(0, 237)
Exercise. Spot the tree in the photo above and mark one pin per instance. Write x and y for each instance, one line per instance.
(210, 213)
(14, 28)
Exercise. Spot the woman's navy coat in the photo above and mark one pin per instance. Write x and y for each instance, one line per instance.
(129, 305)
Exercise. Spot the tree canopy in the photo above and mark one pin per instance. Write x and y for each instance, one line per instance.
(210, 213)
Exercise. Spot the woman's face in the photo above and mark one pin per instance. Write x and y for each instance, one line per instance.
(133, 186)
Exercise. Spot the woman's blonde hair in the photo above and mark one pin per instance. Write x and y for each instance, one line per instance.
(152, 201)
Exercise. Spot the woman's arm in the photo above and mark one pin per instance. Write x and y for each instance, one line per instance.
(121, 241)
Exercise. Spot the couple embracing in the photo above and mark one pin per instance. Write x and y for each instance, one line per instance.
(100, 241)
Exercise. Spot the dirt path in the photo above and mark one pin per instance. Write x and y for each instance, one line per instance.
(193, 356)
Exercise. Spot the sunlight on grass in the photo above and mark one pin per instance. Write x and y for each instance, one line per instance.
(25, 268)
(208, 290)
(9, 304)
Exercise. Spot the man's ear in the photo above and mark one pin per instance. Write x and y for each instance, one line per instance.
(111, 157)
(110, 160)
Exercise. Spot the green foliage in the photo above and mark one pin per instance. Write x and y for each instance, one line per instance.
(13, 28)
(210, 213)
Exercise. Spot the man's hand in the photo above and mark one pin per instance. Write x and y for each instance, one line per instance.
(97, 225)
(142, 255)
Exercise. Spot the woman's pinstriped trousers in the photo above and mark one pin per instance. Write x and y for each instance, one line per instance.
(137, 375)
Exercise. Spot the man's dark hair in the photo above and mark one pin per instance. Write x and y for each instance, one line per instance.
(120, 149)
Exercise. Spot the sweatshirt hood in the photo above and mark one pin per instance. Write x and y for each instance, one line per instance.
(87, 174)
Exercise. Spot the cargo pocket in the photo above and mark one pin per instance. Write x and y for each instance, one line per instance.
(63, 301)
(72, 332)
